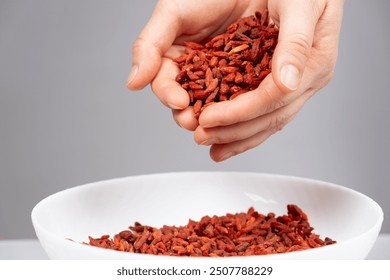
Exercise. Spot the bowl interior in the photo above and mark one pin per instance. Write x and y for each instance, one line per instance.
(111, 206)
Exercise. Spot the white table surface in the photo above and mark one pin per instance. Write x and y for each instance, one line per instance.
(30, 249)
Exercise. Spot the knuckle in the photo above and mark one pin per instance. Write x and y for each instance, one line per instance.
(278, 122)
(328, 77)
(139, 44)
(324, 76)
(323, 67)
(301, 43)
(298, 47)
(272, 102)
(245, 147)
(142, 44)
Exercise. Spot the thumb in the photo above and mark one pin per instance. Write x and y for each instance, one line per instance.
(151, 44)
(297, 21)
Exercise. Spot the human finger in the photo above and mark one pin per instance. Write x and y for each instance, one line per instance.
(165, 87)
(242, 130)
(297, 21)
(153, 41)
(250, 105)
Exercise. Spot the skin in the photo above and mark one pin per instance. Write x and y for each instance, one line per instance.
(302, 64)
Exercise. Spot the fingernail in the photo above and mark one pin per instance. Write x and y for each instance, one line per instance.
(208, 142)
(174, 106)
(290, 77)
(132, 74)
(226, 156)
(178, 123)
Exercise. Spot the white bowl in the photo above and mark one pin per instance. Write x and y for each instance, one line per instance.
(108, 207)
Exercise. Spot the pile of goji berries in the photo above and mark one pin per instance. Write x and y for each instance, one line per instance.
(241, 234)
(229, 64)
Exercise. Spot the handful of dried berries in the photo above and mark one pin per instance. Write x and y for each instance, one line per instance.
(241, 234)
(229, 64)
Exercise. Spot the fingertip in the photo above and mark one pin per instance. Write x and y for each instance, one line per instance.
(175, 107)
(167, 90)
(209, 116)
(201, 137)
(218, 153)
(185, 118)
(131, 78)
(178, 99)
(290, 78)
(213, 155)
(287, 69)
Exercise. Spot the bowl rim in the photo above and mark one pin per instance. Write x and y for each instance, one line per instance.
(316, 183)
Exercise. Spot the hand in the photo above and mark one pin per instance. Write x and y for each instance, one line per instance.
(303, 63)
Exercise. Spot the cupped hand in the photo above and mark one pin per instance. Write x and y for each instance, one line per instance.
(302, 64)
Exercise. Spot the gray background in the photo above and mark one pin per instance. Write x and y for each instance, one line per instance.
(66, 117)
